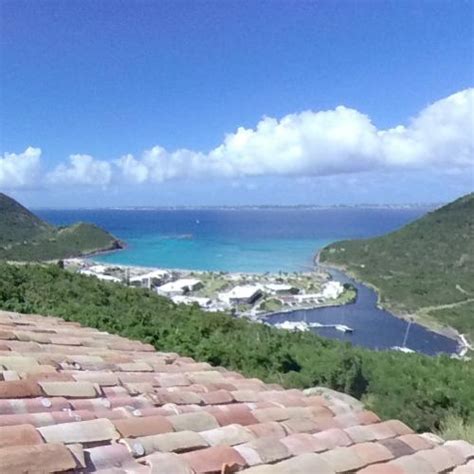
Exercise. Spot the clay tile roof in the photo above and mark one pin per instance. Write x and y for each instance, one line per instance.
(81, 400)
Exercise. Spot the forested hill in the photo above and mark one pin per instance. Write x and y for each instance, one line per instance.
(25, 237)
(426, 268)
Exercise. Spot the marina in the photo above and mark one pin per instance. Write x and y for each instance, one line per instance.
(372, 327)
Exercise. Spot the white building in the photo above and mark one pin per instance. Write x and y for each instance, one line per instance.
(179, 287)
(307, 298)
(243, 294)
(151, 279)
(332, 290)
(280, 288)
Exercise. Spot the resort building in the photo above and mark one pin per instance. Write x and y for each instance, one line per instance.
(179, 287)
(281, 289)
(151, 279)
(332, 290)
(243, 294)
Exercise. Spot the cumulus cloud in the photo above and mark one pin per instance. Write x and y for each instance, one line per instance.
(18, 170)
(305, 144)
(309, 143)
(82, 170)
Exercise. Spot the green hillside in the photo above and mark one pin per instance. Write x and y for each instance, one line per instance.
(18, 224)
(425, 269)
(25, 237)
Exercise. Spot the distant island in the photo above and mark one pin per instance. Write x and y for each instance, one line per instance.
(424, 270)
(26, 237)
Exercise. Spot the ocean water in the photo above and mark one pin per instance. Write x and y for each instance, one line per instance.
(247, 240)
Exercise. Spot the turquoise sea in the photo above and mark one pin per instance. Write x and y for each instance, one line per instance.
(250, 240)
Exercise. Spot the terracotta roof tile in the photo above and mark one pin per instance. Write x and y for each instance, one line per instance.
(112, 456)
(33, 405)
(68, 389)
(19, 435)
(417, 442)
(169, 463)
(300, 425)
(372, 453)
(397, 447)
(235, 413)
(169, 442)
(142, 426)
(172, 380)
(178, 397)
(39, 458)
(229, 435)
(263, 451)
(74, 398)
(413, 464)
(19, 389)
(213, 459)
(80, 432)
(245, 395)
(440, 458)
(461, 448)
(102, 378)
(270, 428)
(333, 438)
(343, 459)
(196, 421)
(300, 443)
(217, 397)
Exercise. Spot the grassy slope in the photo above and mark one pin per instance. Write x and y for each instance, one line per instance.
(425, 268)
(420, 390)
(25, 237)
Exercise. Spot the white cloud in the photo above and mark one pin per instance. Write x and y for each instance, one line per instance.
(18, 170)
(82, 170)
(305, 144)
(322, 143)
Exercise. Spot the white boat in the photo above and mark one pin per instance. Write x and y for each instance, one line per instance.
(293, 326)
(343, 328)
(315, 325)
(404, 349)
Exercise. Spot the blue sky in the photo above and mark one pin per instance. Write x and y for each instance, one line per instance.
(130, 102)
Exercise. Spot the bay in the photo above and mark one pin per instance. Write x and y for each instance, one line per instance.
(234, 240)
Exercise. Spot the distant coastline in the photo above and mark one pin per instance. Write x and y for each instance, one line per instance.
(257, 207)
